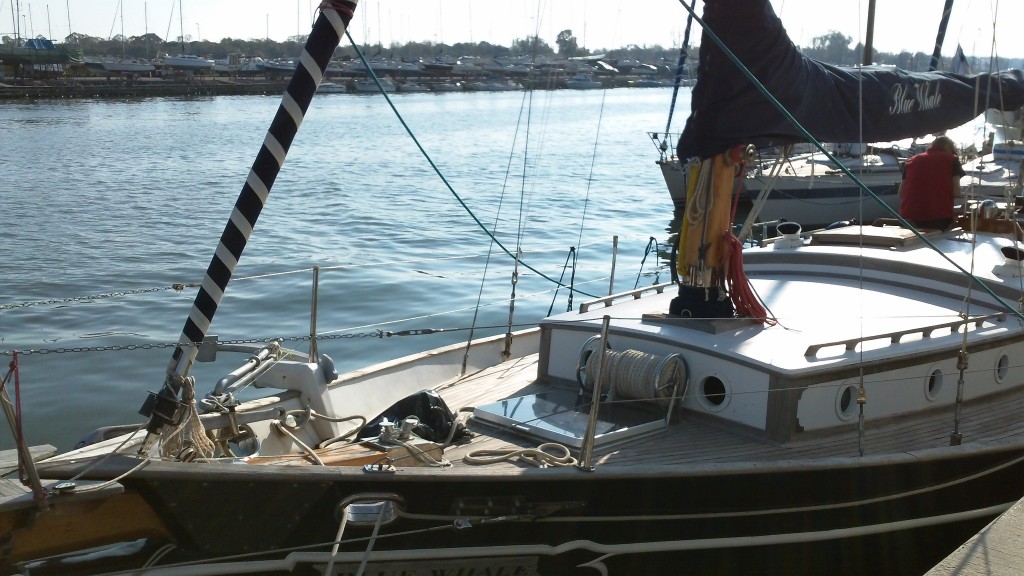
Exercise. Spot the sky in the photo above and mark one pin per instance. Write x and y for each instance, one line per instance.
(899, 24)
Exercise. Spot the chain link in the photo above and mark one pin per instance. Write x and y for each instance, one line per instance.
(175, 287)
(164, 345)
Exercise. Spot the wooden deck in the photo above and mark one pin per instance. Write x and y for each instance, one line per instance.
(700, 439)
(13, 490)
(997, 550)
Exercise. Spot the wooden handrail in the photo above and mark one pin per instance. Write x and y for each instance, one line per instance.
(896, 337)
(636, 294)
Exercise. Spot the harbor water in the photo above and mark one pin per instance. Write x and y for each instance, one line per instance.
(112, 210)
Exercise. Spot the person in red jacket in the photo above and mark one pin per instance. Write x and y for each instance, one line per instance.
(931, 180)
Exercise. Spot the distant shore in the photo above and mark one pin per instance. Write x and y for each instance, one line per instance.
(118, 87)
(85, 87)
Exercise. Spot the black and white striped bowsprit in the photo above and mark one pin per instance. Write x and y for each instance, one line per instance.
(327, 31)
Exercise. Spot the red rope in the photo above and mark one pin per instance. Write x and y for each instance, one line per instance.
(745, 301)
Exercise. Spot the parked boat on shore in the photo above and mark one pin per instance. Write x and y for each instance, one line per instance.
(374, 85)
(582, 81)
(186, 62)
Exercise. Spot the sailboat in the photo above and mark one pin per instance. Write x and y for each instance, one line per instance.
(842, 401)
(126, 65)
(802, 184)
(187, 62)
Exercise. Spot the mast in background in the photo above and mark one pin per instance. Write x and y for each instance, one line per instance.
(869, 35)
(937, 52)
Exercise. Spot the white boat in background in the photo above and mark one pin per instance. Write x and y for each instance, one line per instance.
(844, 401)
(370, 86)
(186, 62)
(128, 66)
(996, 176)
(327, 87)
(582, 81)
(806, 187)
(279, 66)
(809, 188)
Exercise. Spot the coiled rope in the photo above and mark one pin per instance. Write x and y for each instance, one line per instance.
(547, 454)
(636, 375)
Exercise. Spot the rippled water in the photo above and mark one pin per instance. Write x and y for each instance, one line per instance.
(103, 197)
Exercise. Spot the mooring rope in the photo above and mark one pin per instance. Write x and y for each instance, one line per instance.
(547, 454)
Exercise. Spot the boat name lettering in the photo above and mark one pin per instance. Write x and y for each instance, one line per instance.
(494, 567)
(486, 571)
(923, 96)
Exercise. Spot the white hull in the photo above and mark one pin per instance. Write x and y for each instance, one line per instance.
(187, 62)
(816, 196)
(129, 67)
(368, 86)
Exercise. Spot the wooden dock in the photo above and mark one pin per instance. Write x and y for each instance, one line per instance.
(997, 550)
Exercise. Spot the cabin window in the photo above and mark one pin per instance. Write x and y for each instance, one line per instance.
(1002, 368)
(714, 394)
(933, 384)
(846, 402)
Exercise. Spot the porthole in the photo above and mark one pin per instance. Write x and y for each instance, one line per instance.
(1002, 368)
(933, 384)
(846, 402)
(714, 394)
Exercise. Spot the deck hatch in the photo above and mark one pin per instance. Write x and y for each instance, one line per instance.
(554, 416)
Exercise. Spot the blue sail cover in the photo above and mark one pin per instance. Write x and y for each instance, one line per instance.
(829, 101)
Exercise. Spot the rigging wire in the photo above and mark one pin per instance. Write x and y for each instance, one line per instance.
(593, 158)
(570, 257)
(437, 170)
(651, 242)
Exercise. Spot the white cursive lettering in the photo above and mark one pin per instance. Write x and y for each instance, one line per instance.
(928, 96)
(901, 102)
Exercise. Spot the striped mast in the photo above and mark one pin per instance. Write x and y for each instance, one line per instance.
(943, 22)
(324, 37)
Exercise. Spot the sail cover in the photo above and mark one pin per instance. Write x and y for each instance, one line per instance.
(834, 104)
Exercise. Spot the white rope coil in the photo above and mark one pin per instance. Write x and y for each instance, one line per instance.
(547, 454)
(636, 375)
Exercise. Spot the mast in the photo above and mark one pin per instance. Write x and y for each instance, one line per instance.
(120, 6)
(181, 25)
(680, 66)
(937, 52)
(869, 35)
(335, 15)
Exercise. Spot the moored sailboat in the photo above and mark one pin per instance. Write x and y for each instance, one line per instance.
(738, 420)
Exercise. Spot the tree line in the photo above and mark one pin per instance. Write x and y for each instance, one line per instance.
(833, 47)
